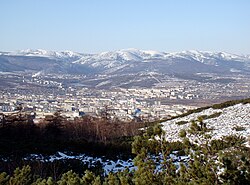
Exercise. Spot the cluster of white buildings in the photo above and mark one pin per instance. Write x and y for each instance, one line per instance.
(124, 104)
(171, 93)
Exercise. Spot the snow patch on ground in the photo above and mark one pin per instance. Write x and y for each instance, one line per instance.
(107, 164)
(223, 125)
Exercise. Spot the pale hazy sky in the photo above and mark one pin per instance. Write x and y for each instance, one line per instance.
(92, 26)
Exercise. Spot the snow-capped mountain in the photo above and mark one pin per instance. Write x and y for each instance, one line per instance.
(123, 59)
(142, 56)
(64, 55)
(41, 60)
(133, 65)
(118, 58)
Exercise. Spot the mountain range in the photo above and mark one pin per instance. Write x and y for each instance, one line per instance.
(124, 61)
(125, 64)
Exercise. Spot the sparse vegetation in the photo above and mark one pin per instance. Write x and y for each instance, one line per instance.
(222, 161)
(215, 106)
(198, 127)
(227, 142)
(215, 115)
(203, 166)
(239, 128)
(182, 133)
(181, 122)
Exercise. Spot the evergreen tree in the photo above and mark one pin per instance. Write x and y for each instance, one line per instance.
(97, 181)
(89, 178)
(48, 181)
(69, 178)
(4, 178)
(125, 177)
(24, 177)
(112, 179)
(21, 176)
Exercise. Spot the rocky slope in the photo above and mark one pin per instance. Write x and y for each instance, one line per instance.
(233, 120)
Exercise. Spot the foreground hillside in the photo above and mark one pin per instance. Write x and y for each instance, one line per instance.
(205, 146)
(233, 120)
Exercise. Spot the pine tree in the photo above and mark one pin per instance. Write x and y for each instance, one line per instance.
(69, 178)
(21, 176)
(112, 179)
(88, 178)
(97, 181)
(144, 147)
(4, 178)
(48, 181)
(125, 177)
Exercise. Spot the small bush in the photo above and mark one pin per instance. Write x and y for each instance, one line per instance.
(215, 115)
(227, 142)
(182, 133)
(239, 128)
(181, 122)
(176, 146)
(194, 127)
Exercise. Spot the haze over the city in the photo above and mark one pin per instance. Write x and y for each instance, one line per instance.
(97, 26)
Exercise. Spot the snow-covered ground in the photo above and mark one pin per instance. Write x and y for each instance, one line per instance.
(223, 125)
(107, 164)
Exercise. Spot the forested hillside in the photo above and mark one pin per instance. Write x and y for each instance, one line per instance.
(157, 159)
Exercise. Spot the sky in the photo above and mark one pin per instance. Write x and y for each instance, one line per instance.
(92, 26)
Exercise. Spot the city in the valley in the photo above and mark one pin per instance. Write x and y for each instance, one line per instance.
(42, 95)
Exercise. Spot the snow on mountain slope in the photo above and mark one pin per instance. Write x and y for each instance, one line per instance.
(210, 58)
(223, 125)
(125, 55)
(116, 58)
(131, 60)
(49, 54)
(130, 54)
(190, 62)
